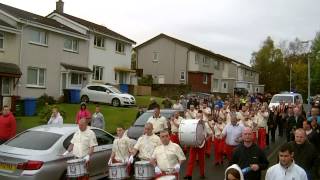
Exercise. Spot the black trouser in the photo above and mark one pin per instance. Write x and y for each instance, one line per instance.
(280, 123)
(272, 133)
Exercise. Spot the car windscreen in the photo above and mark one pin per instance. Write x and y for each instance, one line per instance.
(115, 90)
(34, 140)
(278, 99)
(142, 120)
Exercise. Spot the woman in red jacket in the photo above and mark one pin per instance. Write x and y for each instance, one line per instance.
(7, 125)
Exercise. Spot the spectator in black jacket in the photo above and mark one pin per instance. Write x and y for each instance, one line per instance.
(305, 154)
(272, 125)
(248, 154)
(294, 122)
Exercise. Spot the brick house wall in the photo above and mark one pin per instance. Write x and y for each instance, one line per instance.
(196, 81)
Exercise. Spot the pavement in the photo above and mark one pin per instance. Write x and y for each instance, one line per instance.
(217, 172)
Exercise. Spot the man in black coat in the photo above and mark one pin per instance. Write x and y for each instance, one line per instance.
(294, 122)
(248, 154)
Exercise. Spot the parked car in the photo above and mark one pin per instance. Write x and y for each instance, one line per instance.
(136, 130)
(198, 94)
(106, 94)
(35, 154)
(286, 97)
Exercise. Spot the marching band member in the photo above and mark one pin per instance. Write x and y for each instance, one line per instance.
(145, 144)
(262, 123)
(218, 141)
(121, 148)
(198, 151)
(168, 157)
(82, 143)
(206, 111)
(191, 113)
(175, 121)
(158, 122)
(232, 133)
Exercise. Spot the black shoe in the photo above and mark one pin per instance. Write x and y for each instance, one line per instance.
(202, 177)
(188, 177)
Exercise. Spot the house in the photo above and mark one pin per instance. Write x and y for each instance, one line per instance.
(109, 52)
(173, 61)
(49, 55)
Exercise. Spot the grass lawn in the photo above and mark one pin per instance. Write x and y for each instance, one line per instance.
(114, 116)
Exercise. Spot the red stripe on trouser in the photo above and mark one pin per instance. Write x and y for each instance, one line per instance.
(228, 151)
(218, 145)
(164, 174)
(192, 159)
(174, 138)
(254, 134)
(262, 138)
(208, 146)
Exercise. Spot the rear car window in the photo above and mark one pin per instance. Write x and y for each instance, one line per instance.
(34, 140)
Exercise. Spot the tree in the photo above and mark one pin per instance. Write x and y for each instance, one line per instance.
(315, 64)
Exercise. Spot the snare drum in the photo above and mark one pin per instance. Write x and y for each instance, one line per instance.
(168, 177)
(76, 168)
(191, 132)
(118, 171)
(144, 170)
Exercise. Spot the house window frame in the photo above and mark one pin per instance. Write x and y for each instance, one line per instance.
(79, 79)
(120, 47)
(205, 79)
(196, 59)
(37, 84)
(40, 42)
(216, 64)
(102, 42)
(155, 57)
(215, 85)
(3, 86)
(100, 73)
(73, 42)
(205, 61)
(2, 38)
(182, 75)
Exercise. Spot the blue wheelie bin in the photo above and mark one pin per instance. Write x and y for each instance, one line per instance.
(30, 106)
(75, 96)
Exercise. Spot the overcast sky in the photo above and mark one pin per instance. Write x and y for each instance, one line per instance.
(233, 28)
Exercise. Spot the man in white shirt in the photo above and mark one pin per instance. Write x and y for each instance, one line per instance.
(145, 144)
(55, 118)
(83, 142)
(191, 113)
(167, 157)
(232, 133)
(121, 148)
(175, 122)
(158, 122)
(286, 169)
(262, 123)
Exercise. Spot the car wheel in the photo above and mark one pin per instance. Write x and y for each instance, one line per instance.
(85, 98)
(116, 102)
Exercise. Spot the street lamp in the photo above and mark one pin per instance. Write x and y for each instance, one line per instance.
(309, 77)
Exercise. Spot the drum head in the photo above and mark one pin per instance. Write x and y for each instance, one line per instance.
(200, 134)
(168, 177)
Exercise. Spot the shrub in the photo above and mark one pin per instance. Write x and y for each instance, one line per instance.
(146, 80)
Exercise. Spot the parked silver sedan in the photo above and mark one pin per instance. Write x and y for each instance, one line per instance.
(35, 154)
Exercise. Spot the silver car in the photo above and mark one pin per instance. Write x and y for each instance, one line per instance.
(35, 154)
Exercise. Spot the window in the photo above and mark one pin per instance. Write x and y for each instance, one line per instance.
(40, 140)
(97, 88)
(216, 64)
(99, 41)
(222, 66)
(76, 79)
(196, 60)
(71, 45)
(205, 60)
(39, 37)
(103, 138)
(182, 75)
(36, 76)
(97, 73)
(119, 47)
(225, 85)
(215, 84)
(5, 86)
(155, 56)
(1, 40)
(205, 79)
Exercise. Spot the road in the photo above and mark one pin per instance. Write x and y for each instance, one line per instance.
(217, 172)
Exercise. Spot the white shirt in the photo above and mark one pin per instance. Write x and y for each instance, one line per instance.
(146, 145)
(82, 141)
(293, 172)
(232, 133)
(159, 123)
(177, 106)
(174, 128)
(121, 148)
(167, 156)
(191, 114)
(56, 120)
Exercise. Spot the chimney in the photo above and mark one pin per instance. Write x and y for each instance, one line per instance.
(59, 6)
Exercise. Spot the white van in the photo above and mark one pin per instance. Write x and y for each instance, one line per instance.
(286, 98)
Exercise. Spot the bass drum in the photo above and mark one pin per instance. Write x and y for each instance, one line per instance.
(191, 132)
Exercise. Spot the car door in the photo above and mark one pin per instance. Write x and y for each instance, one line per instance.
(102, 94)
(110, 95)
(102, 153)
(92, 93)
